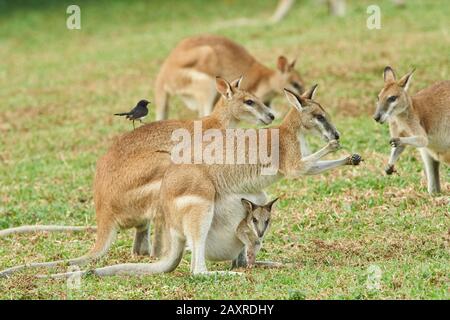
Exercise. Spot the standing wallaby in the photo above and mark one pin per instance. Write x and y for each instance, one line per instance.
(190, 69)
(254, 227)
(128, 178)
(201, 203)
(421, 120)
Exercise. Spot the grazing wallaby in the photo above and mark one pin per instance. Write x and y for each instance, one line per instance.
(254, 227)
(190, 69)
(201, 204)
(421, 120)
(128, 177)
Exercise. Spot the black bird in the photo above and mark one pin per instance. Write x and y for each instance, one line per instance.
(137, 113)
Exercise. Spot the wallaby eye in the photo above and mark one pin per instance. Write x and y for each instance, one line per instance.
(392, 98)
(320, 117)
(249, 102)
(296, 85)
(255, 220)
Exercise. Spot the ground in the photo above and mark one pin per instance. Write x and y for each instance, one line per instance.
(335, 233)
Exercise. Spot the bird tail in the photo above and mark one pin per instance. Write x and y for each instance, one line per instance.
(122, 114)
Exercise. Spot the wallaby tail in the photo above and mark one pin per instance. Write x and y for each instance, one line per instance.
(166, 264)
(104, 240)
(47, 228)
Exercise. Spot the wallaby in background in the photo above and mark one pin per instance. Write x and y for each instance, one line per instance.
(421, 120)
(128, 177)
(201, 206)
(254, 227)
(190, 69)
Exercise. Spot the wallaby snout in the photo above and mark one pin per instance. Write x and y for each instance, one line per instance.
(377, 117)
(336, 135)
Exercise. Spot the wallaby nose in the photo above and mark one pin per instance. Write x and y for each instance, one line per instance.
(271, 116)
(336, 135)
(376, 117)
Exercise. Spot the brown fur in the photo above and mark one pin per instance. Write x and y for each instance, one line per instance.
(193, 195)
(421, 120)
(191, 67)
(128, 176)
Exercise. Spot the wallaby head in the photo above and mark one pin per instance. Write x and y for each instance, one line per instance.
(287, 77)
(258, 216)
(311, 116)
(242, 104)
(393, 99)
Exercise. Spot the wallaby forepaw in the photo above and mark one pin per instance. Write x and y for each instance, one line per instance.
(395, 142)
(390, 169)
(354, 159)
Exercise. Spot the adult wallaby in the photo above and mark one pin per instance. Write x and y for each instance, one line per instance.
(128, 178)
(421, 120)
(190, 69)
(201, 204)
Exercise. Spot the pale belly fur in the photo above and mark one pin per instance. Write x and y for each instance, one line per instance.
(222, 243)
(439, 146)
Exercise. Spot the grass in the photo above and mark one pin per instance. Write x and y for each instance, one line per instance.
(59, 88)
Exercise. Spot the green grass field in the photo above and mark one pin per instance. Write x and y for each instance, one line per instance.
(60, 87)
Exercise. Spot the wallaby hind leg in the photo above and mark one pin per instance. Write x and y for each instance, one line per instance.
(141, 244)
(158, 234)
(431, 171)
(200, 94)
(162, 104)
(196, 234)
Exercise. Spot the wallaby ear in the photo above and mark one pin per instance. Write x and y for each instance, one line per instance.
(270, 204)
(388, 74)
(310, 94)
(248, 205)
(282, 64)
(224, 88)
(293, 99)
(405, 81)
(237, 83)
(292, 64)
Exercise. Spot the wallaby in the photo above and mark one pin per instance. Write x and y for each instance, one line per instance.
(190, 69)
(128, 178)
(201, 204)
(421, 120)
(252, 229)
